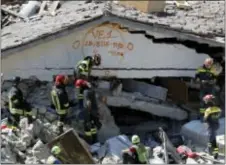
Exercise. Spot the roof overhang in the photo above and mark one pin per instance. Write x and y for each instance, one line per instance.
(158, 31)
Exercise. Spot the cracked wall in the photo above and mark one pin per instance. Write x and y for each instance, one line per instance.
(123, 54)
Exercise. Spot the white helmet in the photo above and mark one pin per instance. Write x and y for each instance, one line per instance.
(135, 139)
(208, 62)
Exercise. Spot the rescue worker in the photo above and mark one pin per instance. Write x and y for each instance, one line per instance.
(207, 77)
(138, 151)
(17, 105)
(84, 66)
(60, 99)
(81, 85)
(211, 118)
(90, 125)
(54, 158)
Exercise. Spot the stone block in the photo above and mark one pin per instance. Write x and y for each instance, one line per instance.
(145, 89)
(50, 116)
(42, 110)
(162, 110)
(197, 132)
(115, 146)
(104, 84)
(117, 91)
(40, 150)
(221, 144)
(34, 111)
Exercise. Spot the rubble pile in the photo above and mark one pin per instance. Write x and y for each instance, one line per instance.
(29, 144)
(26, 11)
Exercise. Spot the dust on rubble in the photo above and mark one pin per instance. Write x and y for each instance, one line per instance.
(28, 145)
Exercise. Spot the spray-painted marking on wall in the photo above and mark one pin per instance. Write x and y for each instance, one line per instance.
(105, 36)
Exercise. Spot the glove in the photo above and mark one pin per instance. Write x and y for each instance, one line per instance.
(89, 85)
(52, 106)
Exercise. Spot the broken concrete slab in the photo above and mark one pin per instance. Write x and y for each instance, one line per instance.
(145, 89)
(7, 156)
(143, 127)
(74, 152)
(40, 151)
(30, 8)
(163, 110)
(114, 147)
(104, 84)
(109, 128)
(197, 133)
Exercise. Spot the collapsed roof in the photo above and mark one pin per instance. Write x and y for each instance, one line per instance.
(205, 20)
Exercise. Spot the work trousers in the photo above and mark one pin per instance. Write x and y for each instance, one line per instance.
(81, 104)
(61, 122)
(14, 119)
(92, 137)
(212, 143)
(128, 159)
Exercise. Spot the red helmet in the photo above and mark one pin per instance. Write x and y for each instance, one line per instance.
(208, 98)
(60, 79)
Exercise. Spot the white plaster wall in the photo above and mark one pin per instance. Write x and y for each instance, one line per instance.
(60, 56)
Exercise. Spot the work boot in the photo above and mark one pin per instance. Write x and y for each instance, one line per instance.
(60, 127)
(215, 156)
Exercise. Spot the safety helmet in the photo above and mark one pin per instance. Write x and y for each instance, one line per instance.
(55, 150)
(16, 79)
(61, 79)
(208, 62)
(208, 98)
(135, 139)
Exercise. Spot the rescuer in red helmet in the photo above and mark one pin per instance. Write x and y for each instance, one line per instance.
(211, 117)
(81, 85)
(60, 99)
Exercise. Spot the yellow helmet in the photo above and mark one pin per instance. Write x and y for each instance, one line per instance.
(135, 139)
(55, 150)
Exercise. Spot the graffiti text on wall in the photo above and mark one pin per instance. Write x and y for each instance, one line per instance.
(105, 36)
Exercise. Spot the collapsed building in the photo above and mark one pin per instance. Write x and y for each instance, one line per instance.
(154, 87)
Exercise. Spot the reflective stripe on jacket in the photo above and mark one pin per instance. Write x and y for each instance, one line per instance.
(141, 152)
(93, 131)
(205, 74)
(60, 100)
(212, 112)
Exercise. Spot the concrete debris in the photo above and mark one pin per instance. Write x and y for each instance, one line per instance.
(163, 110)
(221, 144)
(26, 11)
(30, 8)
(31, 143)
(7, 156)
(109, 128)
(72, 148)
(196, 131)
(40, 151)
(145, 127)
(113, 148)
(146, 89)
